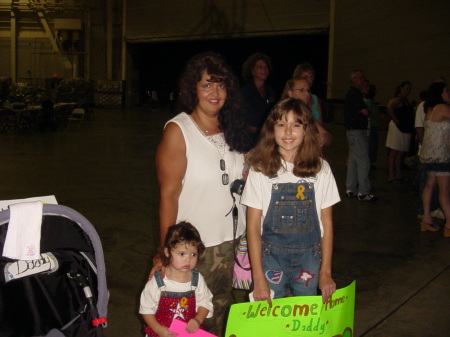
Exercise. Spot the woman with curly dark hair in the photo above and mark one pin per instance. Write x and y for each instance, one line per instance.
(258, 96)
(199, 156)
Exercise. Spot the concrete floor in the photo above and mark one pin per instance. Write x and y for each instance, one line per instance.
(106, 172)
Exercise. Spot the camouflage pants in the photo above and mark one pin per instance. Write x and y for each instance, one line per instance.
(216, 266)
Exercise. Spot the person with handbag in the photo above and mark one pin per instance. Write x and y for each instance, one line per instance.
(289, 195)
(201, 152)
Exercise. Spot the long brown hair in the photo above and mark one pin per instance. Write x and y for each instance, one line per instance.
(266, 158)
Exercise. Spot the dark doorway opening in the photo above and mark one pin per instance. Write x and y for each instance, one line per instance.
(161, 63)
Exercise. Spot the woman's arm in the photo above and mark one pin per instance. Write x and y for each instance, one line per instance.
(393, 104)
(171, 163)
(326, 282)
(323, 136)
(319, 107)
(261, 290)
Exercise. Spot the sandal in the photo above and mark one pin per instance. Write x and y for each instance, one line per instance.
(430, 227)
(446, 232)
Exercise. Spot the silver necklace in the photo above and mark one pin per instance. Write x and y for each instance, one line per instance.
(219, 143)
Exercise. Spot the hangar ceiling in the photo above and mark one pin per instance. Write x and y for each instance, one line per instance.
(33, 16)
(177, 20)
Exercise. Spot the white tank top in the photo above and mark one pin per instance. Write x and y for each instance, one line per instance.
(204, 200)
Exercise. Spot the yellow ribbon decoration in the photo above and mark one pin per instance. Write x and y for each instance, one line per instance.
(300, 190)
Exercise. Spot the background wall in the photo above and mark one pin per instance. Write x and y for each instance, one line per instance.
(174, 20)
(391, 41)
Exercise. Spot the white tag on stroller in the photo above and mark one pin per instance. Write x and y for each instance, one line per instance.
(22, 268)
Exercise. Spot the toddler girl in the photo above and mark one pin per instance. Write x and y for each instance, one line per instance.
(182, 293)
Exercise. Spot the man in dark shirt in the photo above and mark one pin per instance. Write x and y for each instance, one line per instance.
(356, 122)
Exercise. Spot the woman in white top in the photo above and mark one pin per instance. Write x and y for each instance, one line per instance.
(199, 156)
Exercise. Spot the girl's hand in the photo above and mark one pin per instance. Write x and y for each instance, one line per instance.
(192, 325)
(324, 138)
(165, 332)
(262, 293)
(157, 266)
(327, 286)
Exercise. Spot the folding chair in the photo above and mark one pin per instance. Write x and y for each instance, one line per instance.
(77, 116)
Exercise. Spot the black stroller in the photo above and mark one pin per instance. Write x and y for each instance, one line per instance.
(64, 292)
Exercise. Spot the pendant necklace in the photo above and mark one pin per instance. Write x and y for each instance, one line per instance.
(219, 143)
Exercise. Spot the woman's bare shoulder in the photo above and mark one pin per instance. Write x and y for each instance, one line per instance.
(395, 102)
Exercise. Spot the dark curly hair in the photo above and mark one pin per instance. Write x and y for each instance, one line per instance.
(182, 232)
(434, 95)
(250, 63)
(232, 116)
(400, 86)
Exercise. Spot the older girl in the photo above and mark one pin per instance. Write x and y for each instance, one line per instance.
(289, 192)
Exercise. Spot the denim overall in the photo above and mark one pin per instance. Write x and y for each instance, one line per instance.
(291, 251)
(174, 305)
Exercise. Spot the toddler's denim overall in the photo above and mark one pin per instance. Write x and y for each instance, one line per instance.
(291, 251)
(174, 305)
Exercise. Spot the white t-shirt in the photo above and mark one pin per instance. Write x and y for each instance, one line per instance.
(258, 189)
(151, 294)
(420, 115)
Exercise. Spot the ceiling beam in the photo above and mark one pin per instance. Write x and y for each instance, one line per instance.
(48, 31)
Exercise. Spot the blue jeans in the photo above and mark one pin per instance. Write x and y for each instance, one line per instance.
(292, 271)
(373, 144)
(291, 250)
(358, 162)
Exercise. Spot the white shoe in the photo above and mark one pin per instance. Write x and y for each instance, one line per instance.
(437, 213)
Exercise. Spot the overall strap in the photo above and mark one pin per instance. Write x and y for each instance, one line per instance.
(159, 280)
(194, 281)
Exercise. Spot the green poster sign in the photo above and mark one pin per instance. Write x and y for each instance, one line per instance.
(295, 316)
